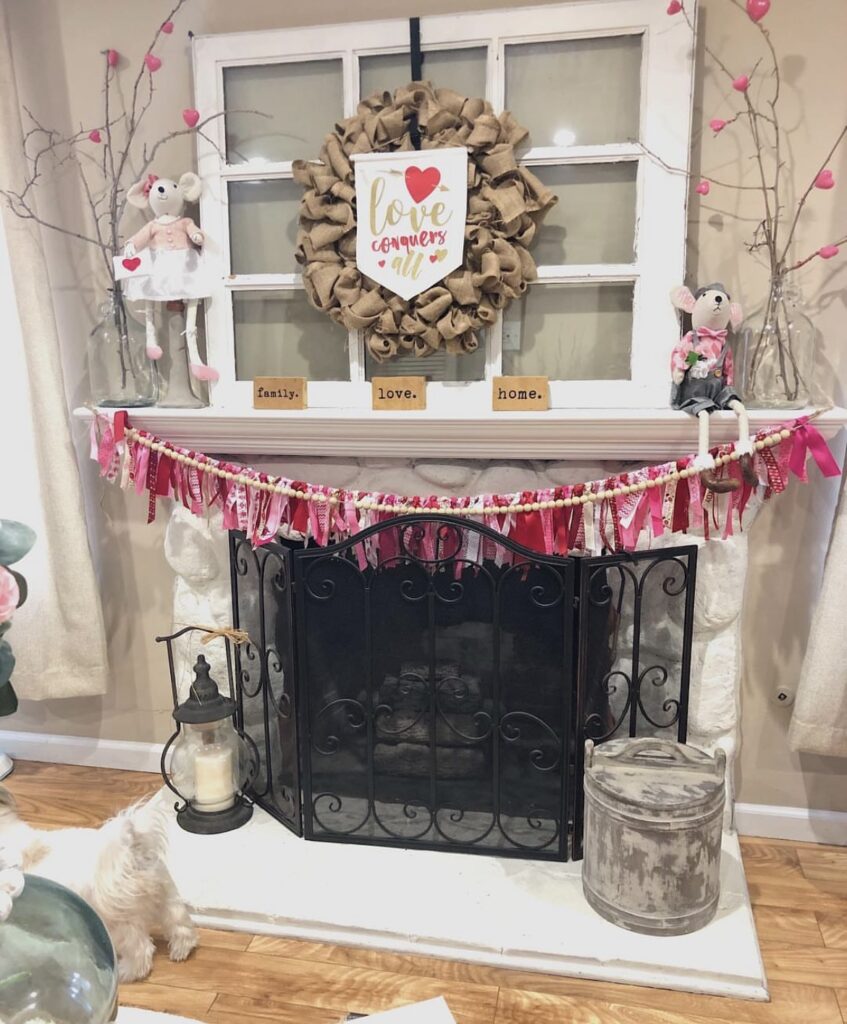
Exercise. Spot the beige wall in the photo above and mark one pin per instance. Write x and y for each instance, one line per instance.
(57, 42)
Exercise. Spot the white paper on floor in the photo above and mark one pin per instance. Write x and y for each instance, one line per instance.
(433, 1011)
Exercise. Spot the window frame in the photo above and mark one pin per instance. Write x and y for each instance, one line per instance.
(661, 195)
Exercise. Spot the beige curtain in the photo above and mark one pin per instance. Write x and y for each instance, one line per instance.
(819, 721)
(57, 635)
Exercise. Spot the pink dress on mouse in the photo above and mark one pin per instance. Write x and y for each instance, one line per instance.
(178, 269)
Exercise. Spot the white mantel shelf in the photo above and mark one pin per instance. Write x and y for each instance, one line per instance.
(580, 434)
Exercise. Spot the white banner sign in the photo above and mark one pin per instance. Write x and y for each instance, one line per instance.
(411, 211)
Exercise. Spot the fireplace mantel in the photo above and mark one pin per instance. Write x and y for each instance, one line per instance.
(582, 434)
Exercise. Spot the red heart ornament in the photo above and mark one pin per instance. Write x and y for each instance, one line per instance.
(168, 27)
(757, 9)
(422, 182)
(94, 135)
(191, 116)
(825, 180)
(152, 61)
(132, 263)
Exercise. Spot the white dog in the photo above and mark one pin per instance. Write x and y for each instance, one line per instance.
(119, 869)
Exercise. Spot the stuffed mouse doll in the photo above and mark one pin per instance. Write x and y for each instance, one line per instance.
(178, 270)
(702, 373)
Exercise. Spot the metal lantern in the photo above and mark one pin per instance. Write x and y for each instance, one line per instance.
(208, 762)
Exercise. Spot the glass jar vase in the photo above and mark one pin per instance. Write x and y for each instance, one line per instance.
(120, 374)
(777, 351)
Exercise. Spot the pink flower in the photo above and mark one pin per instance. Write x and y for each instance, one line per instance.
(741, 84)
(826, 252)
(717, 124)
(9, 594)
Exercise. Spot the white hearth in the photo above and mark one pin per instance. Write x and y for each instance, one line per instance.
(526, 915)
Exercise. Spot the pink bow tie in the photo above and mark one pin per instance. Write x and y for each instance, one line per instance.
(707, 332)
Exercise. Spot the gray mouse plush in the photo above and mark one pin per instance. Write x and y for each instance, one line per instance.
(703, 380)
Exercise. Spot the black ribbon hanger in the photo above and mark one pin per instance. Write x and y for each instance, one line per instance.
(416, 57)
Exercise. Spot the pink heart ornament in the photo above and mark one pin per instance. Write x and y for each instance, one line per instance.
(826, 252)
(191, 116)
(674, 7)
(112, 58)
(168, 27)
(152, 61)
(757, 9)
(703, 188)
(717, 124)
(825, 180)
(742, 83)
(94, 135)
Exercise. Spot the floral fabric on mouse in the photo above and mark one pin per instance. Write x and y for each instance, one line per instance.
(703, 375)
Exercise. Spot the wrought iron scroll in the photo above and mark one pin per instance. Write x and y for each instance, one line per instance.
(436, 690)
(262, 605)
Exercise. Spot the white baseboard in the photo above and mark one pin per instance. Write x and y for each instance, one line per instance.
(98, 753)
(801, 824)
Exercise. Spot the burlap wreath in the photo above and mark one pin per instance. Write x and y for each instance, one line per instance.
(506, 204)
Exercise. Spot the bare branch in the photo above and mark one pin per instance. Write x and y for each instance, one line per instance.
(811, 256)
(807, 193)
(688, 174)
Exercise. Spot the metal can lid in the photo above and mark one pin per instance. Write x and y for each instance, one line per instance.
(656, 774)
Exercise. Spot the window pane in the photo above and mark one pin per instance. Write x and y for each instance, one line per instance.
(594, 219)
(438, 366)
(294, 128)
(263, 226)
(280, 334)
(570, 332)
(576, 91)
(460, 70)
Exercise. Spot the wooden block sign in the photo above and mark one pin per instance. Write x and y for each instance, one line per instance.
(279, 393)
(389, 393)
(520, 394)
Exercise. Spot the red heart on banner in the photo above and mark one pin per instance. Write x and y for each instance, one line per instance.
(433, 258)
(132, 264)
(422, 182)
(380, 263)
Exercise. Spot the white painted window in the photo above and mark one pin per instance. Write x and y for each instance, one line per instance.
(596, 83)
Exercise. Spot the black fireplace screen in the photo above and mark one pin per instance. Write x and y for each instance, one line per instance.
(430, 684)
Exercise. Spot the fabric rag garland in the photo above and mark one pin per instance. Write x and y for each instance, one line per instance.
(592, 517)
(506, 203)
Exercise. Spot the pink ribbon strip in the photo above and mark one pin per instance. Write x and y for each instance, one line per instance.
(808, 439)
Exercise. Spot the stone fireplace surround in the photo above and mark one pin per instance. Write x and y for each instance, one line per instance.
(723, 958)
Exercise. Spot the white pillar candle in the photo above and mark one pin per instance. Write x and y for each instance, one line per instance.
(214, 780)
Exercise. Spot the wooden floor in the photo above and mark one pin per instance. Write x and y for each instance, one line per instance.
(799, 895)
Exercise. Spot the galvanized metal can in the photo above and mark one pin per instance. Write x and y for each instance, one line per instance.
(652, 846)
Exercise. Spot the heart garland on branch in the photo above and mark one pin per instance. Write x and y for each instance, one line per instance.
(506, 204)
